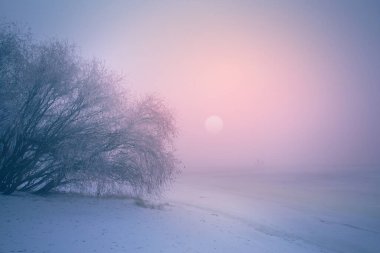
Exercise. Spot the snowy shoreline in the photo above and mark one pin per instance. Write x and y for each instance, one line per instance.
(199, 214)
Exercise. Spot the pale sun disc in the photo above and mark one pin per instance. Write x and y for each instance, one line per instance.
(214, 124)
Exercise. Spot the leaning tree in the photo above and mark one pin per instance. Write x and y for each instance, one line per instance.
(65, 121)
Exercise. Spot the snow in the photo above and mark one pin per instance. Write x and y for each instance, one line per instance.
(205, 212)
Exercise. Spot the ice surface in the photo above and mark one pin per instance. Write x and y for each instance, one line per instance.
(335, 212)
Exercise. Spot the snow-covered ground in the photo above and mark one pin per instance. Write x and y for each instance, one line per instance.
(206, 212)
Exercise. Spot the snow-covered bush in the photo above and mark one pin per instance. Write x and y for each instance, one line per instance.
(67, 121)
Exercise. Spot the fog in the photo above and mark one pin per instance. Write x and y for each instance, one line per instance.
(296, 83)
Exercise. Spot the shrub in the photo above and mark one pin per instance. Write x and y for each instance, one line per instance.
(68, 121)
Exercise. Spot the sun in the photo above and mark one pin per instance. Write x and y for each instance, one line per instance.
(214, 124)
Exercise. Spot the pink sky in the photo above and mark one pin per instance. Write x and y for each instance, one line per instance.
(294, 83)
(283, 88)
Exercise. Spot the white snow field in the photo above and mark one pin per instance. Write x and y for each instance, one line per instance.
(206, 212)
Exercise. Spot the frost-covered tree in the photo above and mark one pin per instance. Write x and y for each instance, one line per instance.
(67, 121)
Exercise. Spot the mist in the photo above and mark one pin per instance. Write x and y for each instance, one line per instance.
(190, 126)
(295, 83)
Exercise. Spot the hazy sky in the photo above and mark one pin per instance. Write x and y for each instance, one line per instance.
(295, 82)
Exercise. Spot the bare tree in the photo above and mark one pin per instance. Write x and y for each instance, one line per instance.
(66, 121)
